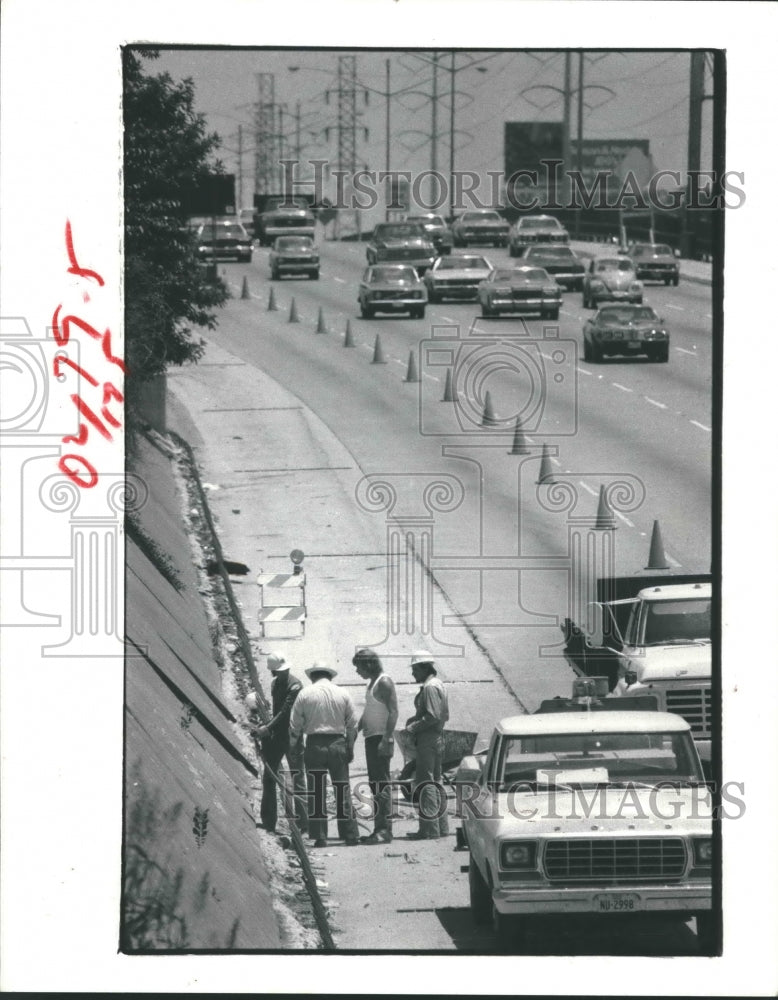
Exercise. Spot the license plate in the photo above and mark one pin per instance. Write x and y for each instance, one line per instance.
(634, 345)
(617, 902)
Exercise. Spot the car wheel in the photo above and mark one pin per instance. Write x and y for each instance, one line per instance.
(595, 353)
(667, 281)
(433, 296)
(706, 930)
(586, 303)
(274, 275)
(486, 310)
(508, 929)
(366, 312)
(660, 354)
(587, 350)
(675, 281)
(513, 252)
(480, 896)
(551, 314)
(639, 300)
(417, 312)
(314, 275)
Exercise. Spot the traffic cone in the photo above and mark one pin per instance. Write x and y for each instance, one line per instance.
(605, 519)
(656, 556)
(519, 441)
(449, 395)
(546, 473)
(293, 316)
(244, 292)
(488, 419)
(412, 375)
(378, 354)
(348, 340)
(321, 326)
(271, 302)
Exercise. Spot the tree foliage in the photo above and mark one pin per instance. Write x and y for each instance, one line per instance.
(167, 152)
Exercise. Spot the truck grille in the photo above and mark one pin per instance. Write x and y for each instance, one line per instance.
(692, 704)
(621, 859)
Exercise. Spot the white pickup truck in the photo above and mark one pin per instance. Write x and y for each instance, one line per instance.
(587, 812)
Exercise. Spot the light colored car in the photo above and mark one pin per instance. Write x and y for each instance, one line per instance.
(283, 221)
(587, 813)
(391, 288)
(611, 279)
(520, 289)
(401, 243)
(626, 330)
(655, 262)
(434, 226)
(294, 255)
(479, 228)
(456, 277)
(535, 229)
(223, 238)
(559, 260)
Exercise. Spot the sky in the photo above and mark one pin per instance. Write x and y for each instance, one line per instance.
(627, 95)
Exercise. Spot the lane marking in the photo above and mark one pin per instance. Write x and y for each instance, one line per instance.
(583, 371)
(655, 402)
(448, 319)
(671, 305)
(621, 517)
(341, 281)
(554, 460)
(698, 424)
(684, 351)
(623, 388)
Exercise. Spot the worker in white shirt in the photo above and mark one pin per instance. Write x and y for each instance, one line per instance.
(426, 727)
(324, 715)
(377, 723)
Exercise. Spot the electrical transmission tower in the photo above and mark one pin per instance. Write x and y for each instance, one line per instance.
(266, 156)
(347, 135)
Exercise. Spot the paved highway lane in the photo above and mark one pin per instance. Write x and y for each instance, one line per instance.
(628, 412)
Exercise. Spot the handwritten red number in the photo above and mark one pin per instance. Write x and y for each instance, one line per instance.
(63, 359)
(73, 474)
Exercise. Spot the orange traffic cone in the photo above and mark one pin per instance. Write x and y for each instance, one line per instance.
(293, 316)
(378, 354)
(412, 375)
(321, 326)
(449, 394)
(348, 340)
(546, 473)
(271, 302)
(488, 419)
(605, 519)
(519, 441)
(656, 556)
(244, 292)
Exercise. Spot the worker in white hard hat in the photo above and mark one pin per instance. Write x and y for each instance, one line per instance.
(426, 727)
(284, 689)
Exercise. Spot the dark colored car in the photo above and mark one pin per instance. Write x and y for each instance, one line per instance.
(401, 243)
(391, 288)
(294, 255)
(223, 239)
(479, 228)
(520, 289)
(626, 330)
(456, 277)
(655, 262)
(561, 261)
(435, 227)
(536, 229)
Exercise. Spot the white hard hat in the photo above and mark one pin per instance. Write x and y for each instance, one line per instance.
(421, 656)
(275, 660)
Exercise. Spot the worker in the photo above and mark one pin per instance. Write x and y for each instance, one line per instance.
(377, 724)
(324, 715)
(426, 728)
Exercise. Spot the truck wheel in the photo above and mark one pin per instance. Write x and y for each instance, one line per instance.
(508, 929)
(675, 281)
(480, 896)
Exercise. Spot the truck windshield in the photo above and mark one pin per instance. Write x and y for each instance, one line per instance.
(596, 758)
(676, 622)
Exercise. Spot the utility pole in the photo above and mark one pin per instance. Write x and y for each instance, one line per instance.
(266, 156)
(240, 167)
(566, 93)
(694, 149)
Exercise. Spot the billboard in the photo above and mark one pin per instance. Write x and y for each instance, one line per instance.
(615, 157)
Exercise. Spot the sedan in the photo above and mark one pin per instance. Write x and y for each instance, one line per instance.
(435, 227)
(483, 226)
(536, 229)
(223, 239)
(655, 262)
(391, 288)
(403, 242)
(626, 330)
(520, 289)
(456, 277)
(294, 255)
(611, 279)
(562, 262)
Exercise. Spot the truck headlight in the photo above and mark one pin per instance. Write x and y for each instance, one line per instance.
(519, 854)
(703, 852)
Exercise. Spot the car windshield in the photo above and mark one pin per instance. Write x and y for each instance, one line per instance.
(538, 224)
(225, 232)
(398, 231)
(657, 250)
(676, 621)
(293, 243)
(427, 220)
(392, 274)
(521, 274)
(595, 759)
(615, 264)
(481, 217)
(462, 263)
(551, 253)
(623, 314)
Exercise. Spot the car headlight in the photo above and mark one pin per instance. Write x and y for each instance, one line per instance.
(703, 852)
(519, 854)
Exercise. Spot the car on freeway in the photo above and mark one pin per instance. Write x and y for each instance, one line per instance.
(223, 238)
(611, 279)
(625, 330)
(294, 255)
(401, 243)
(283, 220)
(560, 260)
(391, 288)
(535, 229)
(434, 226)
(479, 228)
(585, 811)
(655, 262)
(520, 289)
(456, 277)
